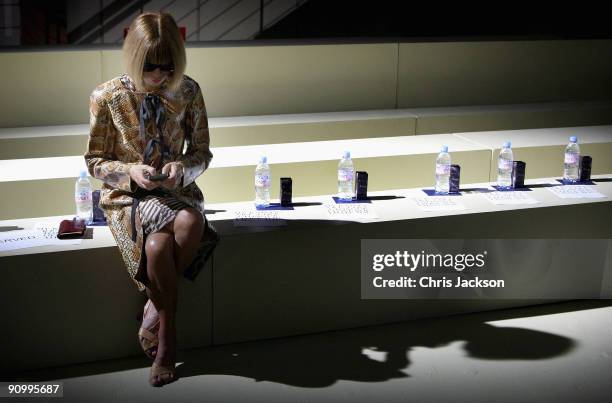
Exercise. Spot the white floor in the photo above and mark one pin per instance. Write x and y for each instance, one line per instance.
(548, 353)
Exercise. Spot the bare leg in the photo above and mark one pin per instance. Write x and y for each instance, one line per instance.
(185, 234)
(163, 293)
(150, 317)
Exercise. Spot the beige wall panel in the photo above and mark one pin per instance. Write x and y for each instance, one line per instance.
(480, 73)
(482, 121)
(261, 80)
(320, 131)
(39, 198)
(47, 88)
(297, 292)
(41, 147)
(293, 79)
(112, 64)
(88, 296)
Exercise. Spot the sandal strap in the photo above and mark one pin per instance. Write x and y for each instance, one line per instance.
(147, 335)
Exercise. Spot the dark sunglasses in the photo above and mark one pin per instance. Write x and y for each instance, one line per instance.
(148, 67)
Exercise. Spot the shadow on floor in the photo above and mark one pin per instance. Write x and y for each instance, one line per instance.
(321, 359)
(297, 361)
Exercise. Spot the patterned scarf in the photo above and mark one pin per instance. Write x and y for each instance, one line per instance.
(152, 119)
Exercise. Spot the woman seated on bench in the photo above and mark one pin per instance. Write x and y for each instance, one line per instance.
(140, 123)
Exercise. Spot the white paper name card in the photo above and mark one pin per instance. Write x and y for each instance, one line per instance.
(576, 192)
(258, 218)
(509, 197)
(49, 231)
(20, 239)
(349, 211)
(438, 203)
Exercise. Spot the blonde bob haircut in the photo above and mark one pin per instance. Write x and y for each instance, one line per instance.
(154, 38)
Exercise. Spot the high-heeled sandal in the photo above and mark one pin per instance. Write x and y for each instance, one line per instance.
(157, 370)
(148, 337)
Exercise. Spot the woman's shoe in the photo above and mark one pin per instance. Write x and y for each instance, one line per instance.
(162, 375)
(148, 336)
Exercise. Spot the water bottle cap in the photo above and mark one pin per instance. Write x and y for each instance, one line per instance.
(444, 148)
(263, 159)
(573, 139)
(507, 144)
(83, 173)
(347, 154)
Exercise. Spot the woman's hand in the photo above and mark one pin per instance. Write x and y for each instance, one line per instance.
(140, 173)
(174, 170)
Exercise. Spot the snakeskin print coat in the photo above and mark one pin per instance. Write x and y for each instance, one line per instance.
(117, 140)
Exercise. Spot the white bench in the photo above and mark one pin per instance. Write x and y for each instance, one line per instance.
(57, 141)
(70, 304)
(392, 162)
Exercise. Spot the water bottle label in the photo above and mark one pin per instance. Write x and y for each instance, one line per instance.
(82, 197)
(442, 169)
(571, 158)
(504, 164)
(345, 176)
(262, 180)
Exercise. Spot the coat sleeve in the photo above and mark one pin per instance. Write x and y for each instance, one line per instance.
(197, 157)
(100, 156)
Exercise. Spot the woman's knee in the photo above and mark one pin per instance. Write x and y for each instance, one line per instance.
(188, 223)
(159, 245)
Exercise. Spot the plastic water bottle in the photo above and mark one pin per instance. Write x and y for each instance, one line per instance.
(346, 177)
(262, 183)
(572, 159)
(83, 198)
(443, 163)
(504, 167)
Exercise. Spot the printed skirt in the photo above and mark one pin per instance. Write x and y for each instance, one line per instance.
(155, 212)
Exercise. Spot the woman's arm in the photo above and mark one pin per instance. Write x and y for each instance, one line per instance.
(100, 156)
(197, 156)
